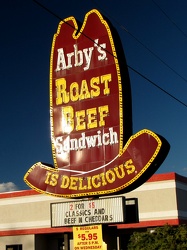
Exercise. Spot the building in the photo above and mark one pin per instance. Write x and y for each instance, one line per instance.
(25, 222)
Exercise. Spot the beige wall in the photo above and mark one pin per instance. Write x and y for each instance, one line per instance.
(157, 200)
(27, 241)
(26, 212)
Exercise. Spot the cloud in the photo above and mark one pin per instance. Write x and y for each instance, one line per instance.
(7, 187)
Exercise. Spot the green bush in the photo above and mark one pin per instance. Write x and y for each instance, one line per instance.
(161, 238)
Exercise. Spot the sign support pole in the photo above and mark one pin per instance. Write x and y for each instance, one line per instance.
(66, 242)
(110, 236)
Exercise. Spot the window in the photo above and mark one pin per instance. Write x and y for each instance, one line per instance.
(14, 247)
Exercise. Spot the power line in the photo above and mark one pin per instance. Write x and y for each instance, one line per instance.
(137, 72)
(169, 18)
(154, 84)
(154, 54)
(67, 23)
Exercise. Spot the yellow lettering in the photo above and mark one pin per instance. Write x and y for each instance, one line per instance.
(91, 182)
(81, 187)
(65, 182)
(122, 175)
(106, 79)
(94, 82)
(81, 91)
(89, 178)
(84, 92)
(74, 92)
(110, 176)
(62, 95)
(103, 111)
(67, 119)
(102, 175)
(73, 183)
(48, 178)
(80, 116)
(77, 120)
(92, 121)
(94, 178)
(54, 179)
(130, 168)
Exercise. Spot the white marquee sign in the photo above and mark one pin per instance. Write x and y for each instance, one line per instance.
(85, 212)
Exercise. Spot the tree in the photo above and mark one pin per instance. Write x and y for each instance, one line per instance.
(161, 238)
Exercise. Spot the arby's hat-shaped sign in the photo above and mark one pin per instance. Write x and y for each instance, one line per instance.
(94, 150)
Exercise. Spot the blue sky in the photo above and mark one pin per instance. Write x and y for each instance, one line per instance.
(154, 37)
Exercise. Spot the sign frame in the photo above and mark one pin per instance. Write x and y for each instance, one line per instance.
(93, 212)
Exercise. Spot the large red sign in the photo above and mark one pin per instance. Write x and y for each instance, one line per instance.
(93, 147)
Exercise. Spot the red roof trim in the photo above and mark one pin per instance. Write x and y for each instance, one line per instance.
(168, 176)
(18, 193)
(142, 224)
(155, 223)
(162, 177)
(36, 231)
